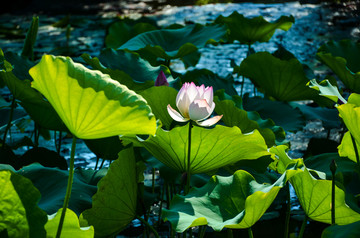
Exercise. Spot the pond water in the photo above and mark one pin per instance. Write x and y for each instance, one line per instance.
(314, 25)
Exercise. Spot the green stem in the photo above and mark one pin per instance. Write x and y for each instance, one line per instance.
(153, 181)
(251, 235)
(69, 186)
(202, 231)
(333, 171)
(230, 233)
(149, 226)
(288, 207)
(8, 126)
(188, 174)
(356, 151)
(302, 229)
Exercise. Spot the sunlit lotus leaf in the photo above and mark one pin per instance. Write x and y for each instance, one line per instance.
(16, 78)
(247, 121)
(158, 98)
(283, 80)
(346, 148)
(342, 57)
(53, 188)
(315, 199)
(121, 31)
(71, 227)
(20, 215)
(170, 44)
(281, 113)
(350, 231)
(283, 161)
(250, 30)
(236, 201)
(210, 148)
(114, 204)
(208, 78)
(326, 89)
(90, 103)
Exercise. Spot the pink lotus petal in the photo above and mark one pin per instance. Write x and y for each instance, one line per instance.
(208, 95)
(209, 122)
(161, 80)
(192, 92)
(199, 110)
(175, 115)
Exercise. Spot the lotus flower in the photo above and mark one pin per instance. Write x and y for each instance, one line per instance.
(161, 80)
(194, 103)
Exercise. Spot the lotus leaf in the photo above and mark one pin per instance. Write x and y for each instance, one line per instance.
(250, 30)
(342, 58)
(283, 80)
(171, 44)
(20, 215)
(71, 227)
(90, 103)
(350, 231)
(114, 204)
(315, 199)
(122, 31)
(237, 201)
(346, 148)
(210, 148)
(326, 89)
(28, 49)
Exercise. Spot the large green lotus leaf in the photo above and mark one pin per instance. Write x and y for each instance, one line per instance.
(234, 115)
(326, 89)
(283, 161)
(174, 43)
(346, 148)
(350, 113)
(114, 204)
(349, 231)
(210, 148)
(33, 102)
(315, 199)
(329, 117)
(158, 98)
(237, 201)
(118, 75)
(20, 215)
(249, 30)
(208, 78)
(71, 227)
(281, 113)
(283, 80)
(90, 103)
(52, 184)
(105, 148)
(121, 31)
(342, 58)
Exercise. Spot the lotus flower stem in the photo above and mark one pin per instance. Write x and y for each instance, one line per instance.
(288, 207)
(188, 174)
(302, 229)
(148, 226)
(356, 151)
(250, 232)
(69, 187)
(13, 103)
(202, 231)
(333, 170)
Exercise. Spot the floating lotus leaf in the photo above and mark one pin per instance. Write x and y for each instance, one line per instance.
(114, 204)
(281, 113)
(122, 31)
(20, 215)
(236, 201)
(170, 44)
(71, 227)
(208, 78)
(342, 57)
(90, 103)
(251, 30)
(283, 80)
(210, 148)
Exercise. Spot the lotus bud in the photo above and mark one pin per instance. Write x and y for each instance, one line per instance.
(194, 103)
(161, 80)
